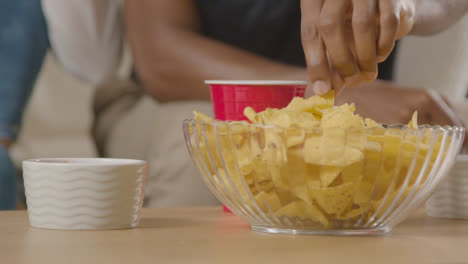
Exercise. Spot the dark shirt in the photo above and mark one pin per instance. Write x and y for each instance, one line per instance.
(270, 28)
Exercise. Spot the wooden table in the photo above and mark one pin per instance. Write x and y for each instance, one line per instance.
(207, 235)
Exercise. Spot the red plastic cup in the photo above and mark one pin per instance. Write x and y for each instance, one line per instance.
(230, 98)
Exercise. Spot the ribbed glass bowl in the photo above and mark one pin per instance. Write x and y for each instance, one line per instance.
(313, 181)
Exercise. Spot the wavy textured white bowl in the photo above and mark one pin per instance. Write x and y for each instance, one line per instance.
(84, 194)
(450, 200)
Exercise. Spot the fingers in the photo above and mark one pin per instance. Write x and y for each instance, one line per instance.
(406, 12)
(389, 26)
(325, 32)
(314, 49)
(364, 30)
(333, 31)
(336, 80)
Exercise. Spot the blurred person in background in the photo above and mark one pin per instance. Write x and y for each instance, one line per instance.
(91, 56)
(23, 45)
(176, 45)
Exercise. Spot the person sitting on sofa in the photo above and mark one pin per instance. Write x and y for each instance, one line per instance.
(23, 45)
(178, 44)
(24, 42)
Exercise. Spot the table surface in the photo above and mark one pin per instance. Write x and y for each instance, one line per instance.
(207, 235)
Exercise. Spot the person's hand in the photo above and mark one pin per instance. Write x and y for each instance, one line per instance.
(343, 40)
(388, 103)
(5, 142)
(8, 181)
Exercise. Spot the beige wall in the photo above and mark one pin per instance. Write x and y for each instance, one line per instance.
(58, 118)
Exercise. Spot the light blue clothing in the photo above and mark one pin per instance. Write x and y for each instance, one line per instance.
(23, 45)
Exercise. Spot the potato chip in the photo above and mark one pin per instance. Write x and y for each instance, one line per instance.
(363, 194)
(313, 104)
(201, 117)
(225, 183)
(314, 161)
(341, 117)
(383, 205)
(331, 149)
(294, 137)
(373, 146)
(296, 174)
(268, 201)
(306, 120)
(301, 192)
(414, 120)
(275, 150)
(250, 113)
(334, 200)
(286, 196)
(249, 178)
(355, 138)
(277, 178)
(357, 212)
(371, 123)
(282, 118)
(328, 174)
(303, 211)
(352, 155)
(353, 172)
(383, 182)
(391, 145)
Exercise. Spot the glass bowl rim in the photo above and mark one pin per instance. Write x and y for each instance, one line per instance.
(403, 127)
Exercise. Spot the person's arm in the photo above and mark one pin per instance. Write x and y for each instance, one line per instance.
(353, 44)
(172, 57)
(391, 103)
(434, 16)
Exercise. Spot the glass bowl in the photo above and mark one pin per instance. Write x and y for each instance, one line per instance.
(450, 198)
(321, 181)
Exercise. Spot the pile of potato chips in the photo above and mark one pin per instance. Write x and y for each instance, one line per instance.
(314, 164)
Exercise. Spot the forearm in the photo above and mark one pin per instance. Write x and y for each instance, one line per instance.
(171, 70)
(434, 16)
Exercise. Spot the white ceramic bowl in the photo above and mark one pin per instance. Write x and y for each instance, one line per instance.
(84, 194)
(450, 200)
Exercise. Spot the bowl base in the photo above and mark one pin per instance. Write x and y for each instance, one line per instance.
(325, 232)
